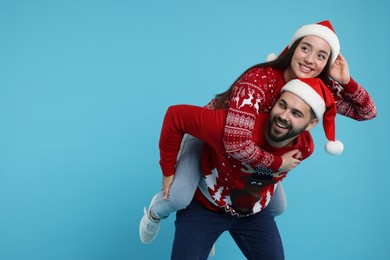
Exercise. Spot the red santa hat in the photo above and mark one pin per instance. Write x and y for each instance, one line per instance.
(323, 30)
(314, 92)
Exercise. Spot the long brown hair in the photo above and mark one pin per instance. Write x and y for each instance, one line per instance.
(280, 63)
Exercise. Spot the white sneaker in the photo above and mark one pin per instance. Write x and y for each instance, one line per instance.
(148, 228)
(212, 251)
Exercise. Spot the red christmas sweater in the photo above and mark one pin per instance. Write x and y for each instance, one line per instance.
(257, 91)
(232, 185)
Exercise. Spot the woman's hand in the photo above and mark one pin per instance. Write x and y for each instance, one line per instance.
(339, 70)
(290, 161)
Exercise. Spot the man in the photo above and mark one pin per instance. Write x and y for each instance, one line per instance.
(232, 196)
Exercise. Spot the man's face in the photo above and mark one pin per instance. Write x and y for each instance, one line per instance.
(289, 117)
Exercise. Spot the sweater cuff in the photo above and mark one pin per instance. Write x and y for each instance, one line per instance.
(351, 87)
(167, 169)
(167, 174)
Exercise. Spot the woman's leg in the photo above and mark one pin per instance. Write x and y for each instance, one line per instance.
(278, 202)
(181, 192)
(185, 182)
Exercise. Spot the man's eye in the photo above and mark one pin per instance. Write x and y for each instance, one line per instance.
(296, 114)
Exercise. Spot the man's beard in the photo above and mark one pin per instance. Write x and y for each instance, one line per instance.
(277, 136)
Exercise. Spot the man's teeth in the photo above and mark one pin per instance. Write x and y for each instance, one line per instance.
(281, 125)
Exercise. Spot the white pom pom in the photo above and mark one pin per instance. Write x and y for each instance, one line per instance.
(334, 148)
(270, 57)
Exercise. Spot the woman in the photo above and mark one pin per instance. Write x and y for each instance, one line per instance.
(314, 51)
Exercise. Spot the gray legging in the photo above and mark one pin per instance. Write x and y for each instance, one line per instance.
(186, 180)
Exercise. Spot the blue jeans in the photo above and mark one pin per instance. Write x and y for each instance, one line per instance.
(186, 180)
(197, 228)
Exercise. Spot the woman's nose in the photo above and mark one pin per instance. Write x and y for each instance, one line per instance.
(309, 57)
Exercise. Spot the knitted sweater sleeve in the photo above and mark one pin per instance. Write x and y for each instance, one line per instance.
(203, 123)
(353, 101)
(253, 93)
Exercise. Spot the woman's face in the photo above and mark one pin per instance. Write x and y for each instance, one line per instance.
(310, 57)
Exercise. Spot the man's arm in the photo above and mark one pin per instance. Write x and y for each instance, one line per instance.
(203, 123)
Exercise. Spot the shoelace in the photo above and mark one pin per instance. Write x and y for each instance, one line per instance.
(151, 226)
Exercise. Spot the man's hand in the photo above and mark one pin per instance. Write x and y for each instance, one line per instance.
(167, 182)
(289, 162)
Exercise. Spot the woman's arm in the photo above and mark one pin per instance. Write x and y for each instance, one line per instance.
(352, 100)
(255, 92)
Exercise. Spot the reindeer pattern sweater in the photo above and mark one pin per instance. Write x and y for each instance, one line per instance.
(256, 91)
(232, 186)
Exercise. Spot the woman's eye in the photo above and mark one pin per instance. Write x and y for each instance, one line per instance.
(321, 57)
(304, 49)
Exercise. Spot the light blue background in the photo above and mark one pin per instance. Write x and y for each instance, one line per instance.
(84, 86)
